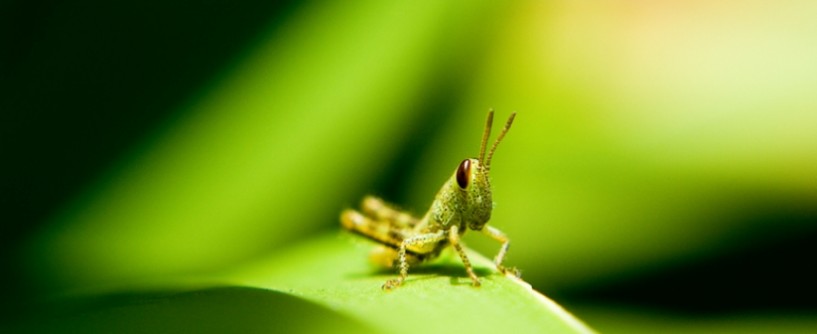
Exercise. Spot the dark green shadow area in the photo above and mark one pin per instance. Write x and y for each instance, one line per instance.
(88, 80)
(231, 309)
(455, 272)
(85, 83)
(448, 269)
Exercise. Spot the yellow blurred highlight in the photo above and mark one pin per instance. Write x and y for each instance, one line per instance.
(643, 128)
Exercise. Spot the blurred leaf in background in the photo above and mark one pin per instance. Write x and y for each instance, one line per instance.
(663, 155)
(280, 139)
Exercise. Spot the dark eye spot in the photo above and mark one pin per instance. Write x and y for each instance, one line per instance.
(464, 173)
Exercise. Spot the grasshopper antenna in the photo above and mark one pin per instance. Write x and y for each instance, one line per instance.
(498, 139)
(485, 134)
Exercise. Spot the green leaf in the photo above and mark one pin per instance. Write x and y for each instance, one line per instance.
(323, 284)
(436, 297)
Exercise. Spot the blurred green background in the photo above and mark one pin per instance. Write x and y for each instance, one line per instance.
(662, 162)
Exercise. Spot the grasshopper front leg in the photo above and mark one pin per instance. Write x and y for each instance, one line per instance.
(454, 239)
(428, 238)
(506, 243)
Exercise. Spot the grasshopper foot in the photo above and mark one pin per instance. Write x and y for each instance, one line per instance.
(509, 270)
(391, 284)
(475, 282)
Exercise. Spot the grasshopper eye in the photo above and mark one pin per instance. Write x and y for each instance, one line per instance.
(464, 173)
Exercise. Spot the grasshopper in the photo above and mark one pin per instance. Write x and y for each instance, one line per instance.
(464, 202)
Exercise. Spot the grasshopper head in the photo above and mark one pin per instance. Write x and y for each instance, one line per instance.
(473, 179)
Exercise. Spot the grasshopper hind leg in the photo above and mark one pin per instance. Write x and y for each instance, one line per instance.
(387, 257)
(381, 231)
(380, 210)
